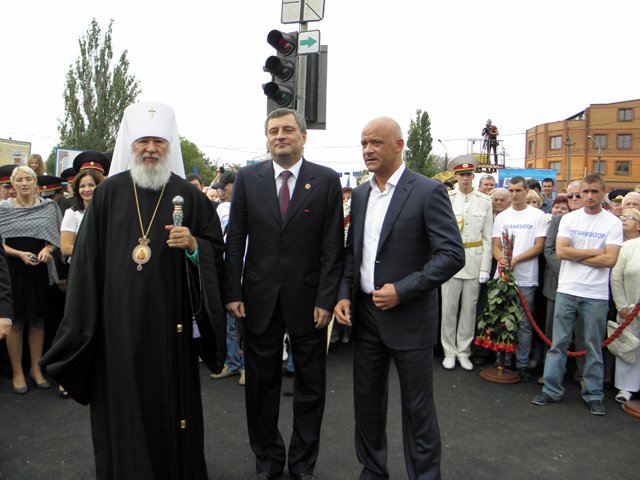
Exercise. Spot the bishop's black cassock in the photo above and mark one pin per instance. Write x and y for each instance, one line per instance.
(125, 345)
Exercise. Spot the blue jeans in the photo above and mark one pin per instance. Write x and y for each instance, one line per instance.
(524, 328)
(593, 313)
(234, 360)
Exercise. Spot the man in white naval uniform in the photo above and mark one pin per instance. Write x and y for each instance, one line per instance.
(473, 212)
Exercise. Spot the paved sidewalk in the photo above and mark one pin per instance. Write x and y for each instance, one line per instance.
(489, 431)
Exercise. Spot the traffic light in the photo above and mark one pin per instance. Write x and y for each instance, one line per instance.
(315, 110)
(281, 90)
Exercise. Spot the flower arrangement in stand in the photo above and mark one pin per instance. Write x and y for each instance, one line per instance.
(498, 323)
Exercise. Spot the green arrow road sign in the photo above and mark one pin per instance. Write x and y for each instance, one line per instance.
(309, 42)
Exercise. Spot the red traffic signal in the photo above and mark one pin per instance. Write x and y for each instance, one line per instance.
(281, 90)
(284, 43)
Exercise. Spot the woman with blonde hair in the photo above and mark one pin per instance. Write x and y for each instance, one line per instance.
(630, 223)
(35, 163)
(625, 285)
(30, 227)
(534, 199)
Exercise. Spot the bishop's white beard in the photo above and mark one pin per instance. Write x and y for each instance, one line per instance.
(151, 178)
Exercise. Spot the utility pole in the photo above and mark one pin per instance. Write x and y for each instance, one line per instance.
(569, 145)
(599, 155)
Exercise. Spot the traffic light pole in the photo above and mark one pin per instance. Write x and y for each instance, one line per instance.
(301, 94)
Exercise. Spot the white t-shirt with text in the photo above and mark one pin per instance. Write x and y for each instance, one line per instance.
(525, 226)
(587, 231)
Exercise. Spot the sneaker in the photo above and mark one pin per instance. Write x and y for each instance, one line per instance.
(242, 379)
(449, 363)
(623, 396)
(465, 363)
(596, 407)
(523, 372)
(543, 398)
(226, 372)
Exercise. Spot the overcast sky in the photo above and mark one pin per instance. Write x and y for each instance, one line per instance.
(520, 63)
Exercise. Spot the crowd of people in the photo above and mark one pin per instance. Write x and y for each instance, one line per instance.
(144, 275)
(565, 246)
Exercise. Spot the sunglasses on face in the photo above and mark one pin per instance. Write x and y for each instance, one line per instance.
(572, 195)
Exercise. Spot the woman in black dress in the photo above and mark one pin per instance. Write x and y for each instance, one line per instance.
(30, 227)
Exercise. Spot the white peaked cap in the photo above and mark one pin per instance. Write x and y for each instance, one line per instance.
(147, 119)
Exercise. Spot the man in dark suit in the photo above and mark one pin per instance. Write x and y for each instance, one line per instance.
(288, 213)
(403, 243)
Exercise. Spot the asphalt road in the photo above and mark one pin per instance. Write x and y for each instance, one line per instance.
(488, 431)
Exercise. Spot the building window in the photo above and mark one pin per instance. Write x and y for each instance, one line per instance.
(624, 141)
(600, 139)
(557, 166)
(601, 170)
(623, 168)
(555, 143)
(530, 149)
(625, 114)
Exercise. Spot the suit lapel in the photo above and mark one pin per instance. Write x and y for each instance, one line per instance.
(267, 186)
(400, 195)
(304, 187)
(359, 206)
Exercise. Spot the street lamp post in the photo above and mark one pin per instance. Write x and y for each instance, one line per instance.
(599, 153)
(446, 153)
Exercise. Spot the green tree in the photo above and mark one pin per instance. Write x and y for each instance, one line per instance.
(419, 143)
(191, 154)
(364, 174)
(96, 93)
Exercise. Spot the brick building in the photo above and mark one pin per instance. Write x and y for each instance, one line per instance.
(614, 127)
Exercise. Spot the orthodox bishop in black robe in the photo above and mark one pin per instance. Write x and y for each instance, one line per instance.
(126, 344)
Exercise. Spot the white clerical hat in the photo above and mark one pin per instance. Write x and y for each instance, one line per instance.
(147, 119)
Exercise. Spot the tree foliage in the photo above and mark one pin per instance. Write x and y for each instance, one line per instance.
(96, 93)
(191, 154)
(419, 142)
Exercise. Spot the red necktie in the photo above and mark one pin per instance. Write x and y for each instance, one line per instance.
(284, 196)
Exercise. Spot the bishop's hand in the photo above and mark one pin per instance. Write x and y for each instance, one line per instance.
(180, 237)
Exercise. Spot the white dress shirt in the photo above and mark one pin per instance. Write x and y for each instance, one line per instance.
(376, 211)
(295, 171)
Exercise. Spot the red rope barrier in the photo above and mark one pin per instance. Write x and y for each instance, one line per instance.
(581, 353)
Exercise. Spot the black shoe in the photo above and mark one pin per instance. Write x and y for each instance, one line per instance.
(523, 372)
(478, 360)
(266, 476)
(543, 399)
(597, 407)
